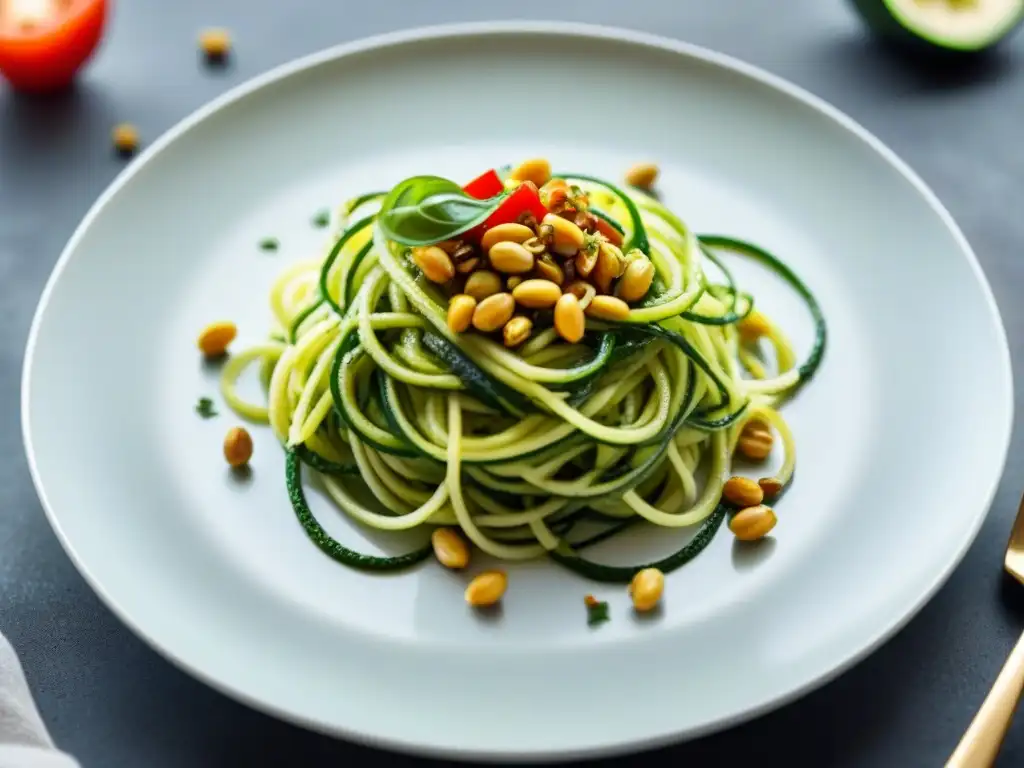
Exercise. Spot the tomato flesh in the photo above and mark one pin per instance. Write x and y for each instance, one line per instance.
(44, 43)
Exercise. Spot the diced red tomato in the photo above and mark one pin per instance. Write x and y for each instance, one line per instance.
(606, 229)
(523, 200)
(485, 185)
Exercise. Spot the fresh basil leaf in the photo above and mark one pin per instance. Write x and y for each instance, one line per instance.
(427, 209)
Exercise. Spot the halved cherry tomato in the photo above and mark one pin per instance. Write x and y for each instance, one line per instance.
(43, 43)
(485, 185)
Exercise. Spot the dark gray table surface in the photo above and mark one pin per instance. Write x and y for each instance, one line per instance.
(113, 702)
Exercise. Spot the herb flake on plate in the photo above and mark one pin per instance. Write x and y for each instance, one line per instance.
(321, 219)
(597, 611)
(205, 408)
(269, 244)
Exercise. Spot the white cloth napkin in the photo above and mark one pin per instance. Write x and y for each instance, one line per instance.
(24, 742)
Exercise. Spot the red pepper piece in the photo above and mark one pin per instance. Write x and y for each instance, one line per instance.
(485, 185)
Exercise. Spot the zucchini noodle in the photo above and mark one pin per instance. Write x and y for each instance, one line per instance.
(411, 425)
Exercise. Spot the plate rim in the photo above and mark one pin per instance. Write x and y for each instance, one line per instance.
(477, 29)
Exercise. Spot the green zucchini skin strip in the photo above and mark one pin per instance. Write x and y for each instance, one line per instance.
(317, 462)
(653, 329)
(293, 333)
(608, 220)
(490, 391)
(399, 447)
(616, 574)
(638, 237)
(811, 364)
(362, 200)
(353, 268)
(332, 257)
(331, 546)
(732, 316)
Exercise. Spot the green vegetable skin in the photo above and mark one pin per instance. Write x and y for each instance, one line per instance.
(329, 545)
(984, 23)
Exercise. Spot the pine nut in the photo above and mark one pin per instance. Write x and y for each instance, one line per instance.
(464, 267)
(126, 138)
(569, 320)
(642, 175)
(237, 447)
(608, 308)
(513, 281)
(742, 492)
(583, 291)
(537, 294)
(450, 548)
(434, 263)
(515, 233)
(511, 258)
(636, 280)
(486, 589)
(535, 246)
(566, 237)
(547, 269)
(755, 440)
(755, 447)
(493, 312)
(460, 312)
(753, 326)
(537, 170)
(482, 284)
(215, 43)
(646, 589)
(610, 265)
(516, 331)
(753, 523)
(586, 259)
(215, 338)
(771, 487)
(460, 252)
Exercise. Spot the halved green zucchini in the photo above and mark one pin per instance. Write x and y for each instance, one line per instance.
(948, 26)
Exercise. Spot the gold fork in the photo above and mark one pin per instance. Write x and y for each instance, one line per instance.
(980, 744)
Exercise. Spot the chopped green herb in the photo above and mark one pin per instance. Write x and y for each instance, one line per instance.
(322, 219)
(205, 408)
(591, 243)
(597, 611)
(269, 244)
(577, 198)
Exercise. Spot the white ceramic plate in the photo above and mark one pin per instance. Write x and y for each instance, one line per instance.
(901, 437)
